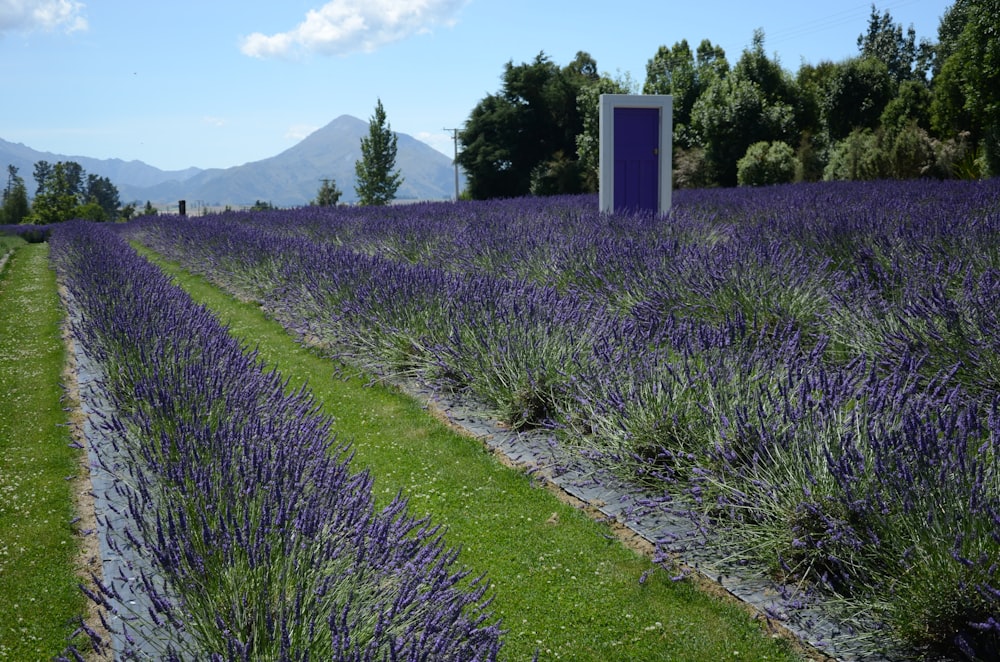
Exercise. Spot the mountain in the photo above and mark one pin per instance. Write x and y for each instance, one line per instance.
(292, 177)
(121, 173)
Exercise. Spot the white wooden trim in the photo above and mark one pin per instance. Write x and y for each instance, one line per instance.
(606, 179)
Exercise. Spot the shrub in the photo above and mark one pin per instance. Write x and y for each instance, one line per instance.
(859, 156)
(912, 153)
(691, 168)
(767, 163)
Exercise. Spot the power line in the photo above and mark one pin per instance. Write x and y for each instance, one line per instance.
(843, 17)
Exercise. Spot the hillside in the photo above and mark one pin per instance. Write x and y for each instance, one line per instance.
(290, 178)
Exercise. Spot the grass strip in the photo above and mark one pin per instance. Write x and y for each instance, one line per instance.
(563, 586)
(38, 549)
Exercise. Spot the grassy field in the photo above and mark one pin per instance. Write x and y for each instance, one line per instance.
(38, 548)
(563, 586)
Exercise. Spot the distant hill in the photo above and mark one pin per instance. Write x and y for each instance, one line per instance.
(292, 177)
(121, 173)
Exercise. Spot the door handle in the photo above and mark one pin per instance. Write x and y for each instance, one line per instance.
(656, 151)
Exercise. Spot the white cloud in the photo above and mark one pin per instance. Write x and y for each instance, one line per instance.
(348, 26)
(214, 121)
(27, 15)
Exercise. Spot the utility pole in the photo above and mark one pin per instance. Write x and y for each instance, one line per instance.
(454, 137)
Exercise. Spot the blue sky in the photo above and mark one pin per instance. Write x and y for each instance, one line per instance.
(218, 83)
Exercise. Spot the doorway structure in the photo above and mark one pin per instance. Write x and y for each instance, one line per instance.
(636, 149)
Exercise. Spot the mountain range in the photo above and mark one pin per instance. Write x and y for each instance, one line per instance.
(290, 178)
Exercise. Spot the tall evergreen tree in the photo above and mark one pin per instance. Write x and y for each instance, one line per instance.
(101, 191)
(15, 199)
(376, 182)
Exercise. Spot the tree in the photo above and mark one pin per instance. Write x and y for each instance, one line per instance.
(885, 42)
(747, 106)
(588, 142)
(376, 182)
(42, 171)
(102, 192)
(533, 121)
(911, 104)
(15, 199)
(967, 89)
(65, 191)
(58, 192)
(328, 194)
(676, 71)
(127, 212)
(754, 65)
(856, 95)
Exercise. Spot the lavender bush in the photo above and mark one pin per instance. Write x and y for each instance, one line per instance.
(811, 370)
(257, 540)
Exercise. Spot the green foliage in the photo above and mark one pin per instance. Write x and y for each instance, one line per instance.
(911, 153)
(811, 156)
(767, 163)
(691, 168)
(972, 74)
(261, 205)
(733, 114)
(884, 41)
(532, 119)
(558, 174)
(149, 209)
(911, 104)
(588, 142)
(749, 105)
(858, 156)
(57, 198)
(377, 183)
(14, 208)
(101, 191)
(677, 72)
(754, 65)
(328, 194)
(811, 83)
(127, 211)
(65, 191)
(856, 95)
(90, 212)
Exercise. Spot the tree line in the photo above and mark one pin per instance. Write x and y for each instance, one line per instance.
(64, 191)
(900, 108)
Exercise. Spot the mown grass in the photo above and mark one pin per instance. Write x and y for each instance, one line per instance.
(563, 585)
(39, 597)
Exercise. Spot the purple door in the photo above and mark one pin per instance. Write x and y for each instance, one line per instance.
(637, 161)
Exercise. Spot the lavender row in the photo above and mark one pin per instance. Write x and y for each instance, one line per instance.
(257, 540)
(810, 370)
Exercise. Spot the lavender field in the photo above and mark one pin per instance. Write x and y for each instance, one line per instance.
(244, 532)
(811, 372)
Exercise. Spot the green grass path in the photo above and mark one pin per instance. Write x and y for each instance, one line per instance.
(562, 585)
(39, 597)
